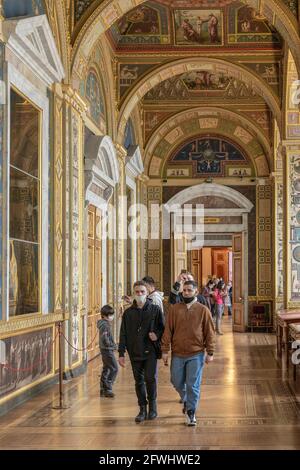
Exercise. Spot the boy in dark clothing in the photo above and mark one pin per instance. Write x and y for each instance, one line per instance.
(107, 347)
(141, 329)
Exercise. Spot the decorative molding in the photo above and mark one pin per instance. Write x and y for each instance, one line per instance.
(210, 189)
(134, 161)
(101, 169)
(20, 324)
(32, 41)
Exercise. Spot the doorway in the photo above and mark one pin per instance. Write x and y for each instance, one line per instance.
(209, 262)
(94, 278)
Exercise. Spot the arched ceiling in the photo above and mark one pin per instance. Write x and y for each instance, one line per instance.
(97, 16)
(207, 122)
(170, 56)
(186, 67)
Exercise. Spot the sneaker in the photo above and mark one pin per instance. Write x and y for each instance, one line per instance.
(220, 333)
(191, 418)
(184, 408)
(109, 394)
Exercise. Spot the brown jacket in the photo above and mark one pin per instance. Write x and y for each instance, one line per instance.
(188, 331)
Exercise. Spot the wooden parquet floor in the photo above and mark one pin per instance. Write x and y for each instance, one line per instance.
(247, 402)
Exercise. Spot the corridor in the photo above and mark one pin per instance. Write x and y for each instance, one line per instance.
(247, 403)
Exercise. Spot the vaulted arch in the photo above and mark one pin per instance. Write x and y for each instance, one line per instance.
(202, 113)
(108, 12)
(179, 67)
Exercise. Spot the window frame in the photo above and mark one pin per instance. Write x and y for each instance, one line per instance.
(39, 243)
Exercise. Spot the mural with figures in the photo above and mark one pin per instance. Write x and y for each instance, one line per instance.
(210, 156)
(28, 358)
(15, 8)
(246, 25)
(146, 24)
(95, 97)
(198, 27)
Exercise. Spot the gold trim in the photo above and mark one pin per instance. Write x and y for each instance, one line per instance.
(32, 322)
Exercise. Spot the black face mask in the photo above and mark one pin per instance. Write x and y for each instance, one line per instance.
(188, 300)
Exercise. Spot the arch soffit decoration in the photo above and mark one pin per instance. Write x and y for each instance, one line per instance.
(103, 71)
(108, 12)
(94, 67)
(205, 113)
(210, 189)
(101, 169)
(179, 67)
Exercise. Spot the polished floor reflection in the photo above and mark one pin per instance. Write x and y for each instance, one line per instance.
(247, 402)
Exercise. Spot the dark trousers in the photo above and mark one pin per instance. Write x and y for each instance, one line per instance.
(109, 371)
(145, 376)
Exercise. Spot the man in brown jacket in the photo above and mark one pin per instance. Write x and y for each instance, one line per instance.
(190, 332)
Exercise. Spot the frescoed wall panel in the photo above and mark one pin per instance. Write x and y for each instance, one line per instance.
(28, 358)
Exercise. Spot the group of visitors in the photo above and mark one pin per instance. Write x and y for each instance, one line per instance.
(186, 330)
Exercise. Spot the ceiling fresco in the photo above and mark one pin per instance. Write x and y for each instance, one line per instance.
(192, 24)
(201, 84)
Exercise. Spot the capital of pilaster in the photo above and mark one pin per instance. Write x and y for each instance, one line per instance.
(72, 97)
(143, 178)
(121, 152)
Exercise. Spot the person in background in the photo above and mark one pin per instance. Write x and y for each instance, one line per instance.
(177, 289)
(228, 298)
(156, 296)
(190, 333)
(218, 295)
(107, 347)
(142, 324)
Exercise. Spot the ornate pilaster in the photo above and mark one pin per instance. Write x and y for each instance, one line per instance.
(74, 108)
(142, 243)
(292, 223)
(278, 228)
(121, 223)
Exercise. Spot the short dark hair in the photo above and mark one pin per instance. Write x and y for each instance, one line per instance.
(107, 310)
(139, 283)
(191, 283)
(149, 280)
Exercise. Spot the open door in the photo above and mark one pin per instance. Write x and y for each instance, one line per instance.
(238, 301)
(179, 255)
(95, 279)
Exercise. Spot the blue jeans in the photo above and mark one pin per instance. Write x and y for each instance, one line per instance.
(186, 377)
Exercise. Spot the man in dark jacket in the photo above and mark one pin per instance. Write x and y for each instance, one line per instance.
(141, 329)
(176, 296)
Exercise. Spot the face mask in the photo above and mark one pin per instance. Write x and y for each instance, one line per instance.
(140, 299)
(111, 318)
(188, 300)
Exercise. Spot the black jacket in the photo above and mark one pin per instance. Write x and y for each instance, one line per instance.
(176, 296)
(135, 328)
(106, 339)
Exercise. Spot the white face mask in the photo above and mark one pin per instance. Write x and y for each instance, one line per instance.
(140, 299)
(111, 318)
